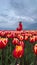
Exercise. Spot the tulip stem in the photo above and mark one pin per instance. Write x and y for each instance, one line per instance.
(3, 56)
(16, 62)
(21, 60)
(9, 62)
(35, 61)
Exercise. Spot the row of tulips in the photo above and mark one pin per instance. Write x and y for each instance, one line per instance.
(23, 35)
(18, 38)
(13, 33)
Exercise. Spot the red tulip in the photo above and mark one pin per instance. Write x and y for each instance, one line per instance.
(21, 43)
(35, 49)
(15, 41)
(20, 37)
(23, 34)
(2, 33)
(26, 37)
(35, 38)
(32, 39)
(18, 52)
(3, 42)
(10, 35)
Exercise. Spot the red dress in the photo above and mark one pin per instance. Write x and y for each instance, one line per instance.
(20, 27)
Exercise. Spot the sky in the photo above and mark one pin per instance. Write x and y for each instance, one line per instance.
(13, 11)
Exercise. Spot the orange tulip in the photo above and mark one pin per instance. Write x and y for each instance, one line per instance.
(18, 52)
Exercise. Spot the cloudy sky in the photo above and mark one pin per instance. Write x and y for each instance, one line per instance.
(13, 11)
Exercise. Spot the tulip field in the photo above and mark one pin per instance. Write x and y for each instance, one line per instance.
(18, 47)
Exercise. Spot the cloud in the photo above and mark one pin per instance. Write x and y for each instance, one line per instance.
(11, 16)
(10, 20)
(13, 11)
(32, 26)
(24, 7)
